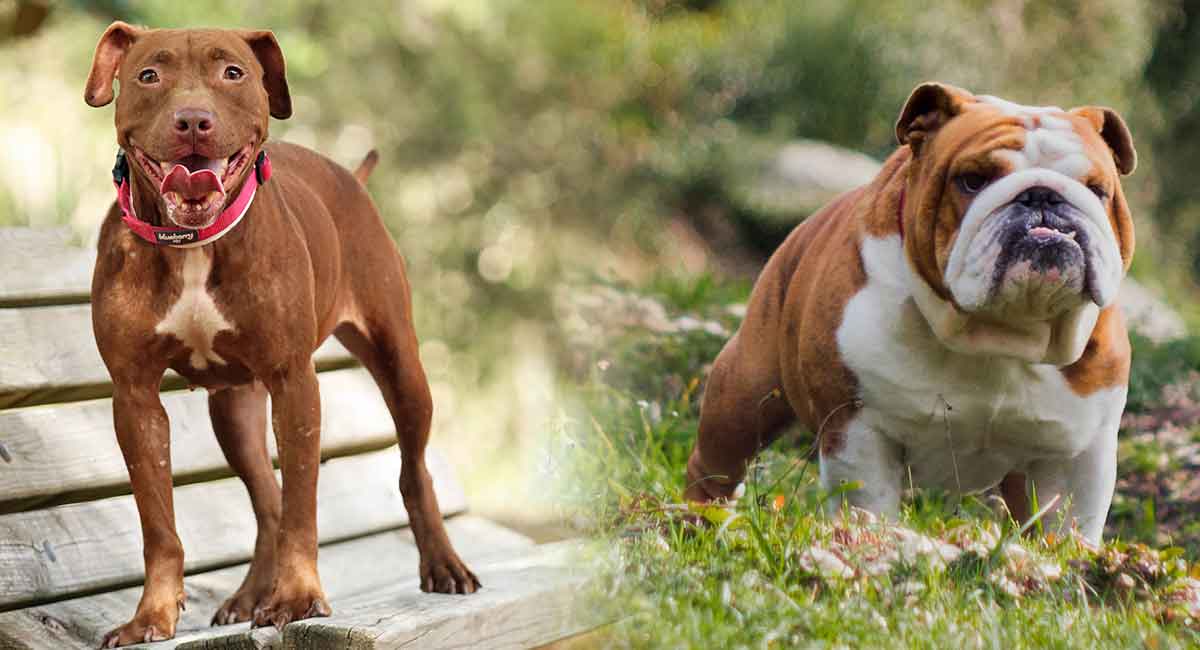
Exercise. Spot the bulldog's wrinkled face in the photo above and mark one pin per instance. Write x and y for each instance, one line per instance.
(1020, 213)
(193, 110)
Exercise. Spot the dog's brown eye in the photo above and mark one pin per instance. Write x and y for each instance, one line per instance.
(972, 183)
(148, 76)
(1098, 191)
(233, 73)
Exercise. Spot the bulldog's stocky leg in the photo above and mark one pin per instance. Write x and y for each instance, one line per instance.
(144, 436)
(1085, 484)
(239, 418)
(872, 459)
(296, 416)
(743, 411)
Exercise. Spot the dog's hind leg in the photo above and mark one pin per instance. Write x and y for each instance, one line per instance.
(743, 411)
(381, 335)
(239, 418)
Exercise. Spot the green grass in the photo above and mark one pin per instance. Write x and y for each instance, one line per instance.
(675, 575)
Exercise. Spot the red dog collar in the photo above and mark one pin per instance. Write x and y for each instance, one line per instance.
(188, 237)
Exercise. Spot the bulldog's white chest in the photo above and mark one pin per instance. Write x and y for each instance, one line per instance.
(963, 421)
(194, 317)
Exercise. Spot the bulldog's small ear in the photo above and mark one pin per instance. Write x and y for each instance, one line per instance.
(1112, 128)
(266, 49)
(928, 108)
(110, 51)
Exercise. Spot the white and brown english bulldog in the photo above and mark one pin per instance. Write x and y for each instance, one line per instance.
(952, 324)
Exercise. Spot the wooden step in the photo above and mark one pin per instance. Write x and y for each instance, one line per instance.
(61, 453)
(43, 266)
(48, 354)
(85, 547)
(526, 601)
(366, 565)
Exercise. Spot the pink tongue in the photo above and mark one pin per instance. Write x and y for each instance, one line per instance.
(191, 185)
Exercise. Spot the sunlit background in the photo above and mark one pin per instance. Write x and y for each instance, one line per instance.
(530, 145)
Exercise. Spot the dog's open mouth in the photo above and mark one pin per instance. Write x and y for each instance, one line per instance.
(1047, 235)
(1042, 260)
(193, 188)
(1052, 234)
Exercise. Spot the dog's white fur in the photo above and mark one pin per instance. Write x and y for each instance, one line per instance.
(957, 420)
(194, 317)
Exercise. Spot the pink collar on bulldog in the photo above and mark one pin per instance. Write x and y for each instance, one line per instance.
(188, 237)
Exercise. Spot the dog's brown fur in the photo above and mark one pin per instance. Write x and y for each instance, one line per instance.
(783, 364)
(312, 257)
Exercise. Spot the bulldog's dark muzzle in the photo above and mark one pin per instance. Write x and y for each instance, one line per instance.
(1046, 231)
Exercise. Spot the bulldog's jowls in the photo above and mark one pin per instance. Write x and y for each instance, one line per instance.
(952, 323)
(242, 314)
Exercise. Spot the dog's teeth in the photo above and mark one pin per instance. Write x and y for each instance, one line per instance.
(1071, 235)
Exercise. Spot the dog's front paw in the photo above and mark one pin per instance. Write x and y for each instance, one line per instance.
(447, 574)
(291, 602)
(242, 604)
(148, 624)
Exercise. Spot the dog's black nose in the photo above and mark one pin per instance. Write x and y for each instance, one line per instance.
(194, 120)
(1038, 197)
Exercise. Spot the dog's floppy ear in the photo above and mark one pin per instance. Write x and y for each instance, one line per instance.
(110, 51)
(1112, 128)
(266, 49)
(928, 108)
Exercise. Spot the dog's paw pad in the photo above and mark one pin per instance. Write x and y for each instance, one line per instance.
(136, 631)
(450, 576)
(283, 610)
(241, 606)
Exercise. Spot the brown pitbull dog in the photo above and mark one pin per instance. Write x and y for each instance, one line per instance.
(239, 305)
(951, 324)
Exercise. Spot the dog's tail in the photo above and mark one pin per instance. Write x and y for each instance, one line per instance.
(367, 166)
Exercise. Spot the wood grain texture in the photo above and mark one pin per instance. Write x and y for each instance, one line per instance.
(348, 569)
(481, 543)
(40, 266)
(525, 602)
(55, 454)
(48, 354)
(96, 545)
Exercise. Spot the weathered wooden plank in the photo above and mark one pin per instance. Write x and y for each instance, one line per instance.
(55, 454)
(525, 602)
(40, 266)
(48, 354)
(53, 553)
(480, 542)
(347, 569)
(257, 639)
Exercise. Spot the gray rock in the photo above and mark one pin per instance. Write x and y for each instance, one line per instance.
(1148, 315)
(801, 176)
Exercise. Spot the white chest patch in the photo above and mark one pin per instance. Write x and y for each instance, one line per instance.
(1050, 139)
(195, 318)
(963, 420)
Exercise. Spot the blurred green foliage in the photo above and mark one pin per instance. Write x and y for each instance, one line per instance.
(557, 133)
(1157, 365)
